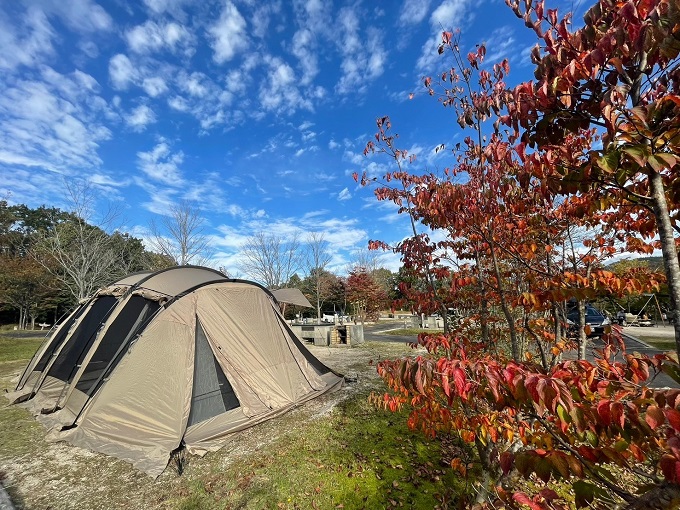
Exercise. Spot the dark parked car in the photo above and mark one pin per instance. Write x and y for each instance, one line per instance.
(594, 318)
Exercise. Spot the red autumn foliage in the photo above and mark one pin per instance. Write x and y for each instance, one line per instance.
(498, 379)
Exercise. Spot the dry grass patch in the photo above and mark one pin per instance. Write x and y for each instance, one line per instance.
(334, 450)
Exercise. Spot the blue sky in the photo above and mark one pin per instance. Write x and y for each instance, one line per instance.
(254, 112)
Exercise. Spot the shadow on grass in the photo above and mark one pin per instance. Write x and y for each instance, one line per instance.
(359, 457)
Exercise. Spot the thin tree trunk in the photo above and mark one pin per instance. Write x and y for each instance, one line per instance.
(582, 335)
(670, 254)
(514, 342)
(484, 304)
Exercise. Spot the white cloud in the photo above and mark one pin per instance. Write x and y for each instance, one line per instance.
(178, 103)
(261, 17)
(10, 159)
(303, 47)
(26, 44)
(208, 192)
(173, 7)
(81, 15)
(333, 144)
(413, 11)
(235, 210)
(299, 153)
(281, 93)
(305, 125)
(36, 187)
(229, 34)
(161, 165)
(121, 71)
(344, 194)
(362, 60)
(154, 86)
(55, 124)
(151, 36)
(140, 117)
(500, 45)
(196, 84)
(449, 15)
(89, 48)
(106, 181)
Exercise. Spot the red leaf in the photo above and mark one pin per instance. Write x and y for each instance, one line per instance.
(604, 411)
(507, 459)
(617, 414)
(654, 417)
(673, 418)
(668, 465)
(522, 498)
(459, 381)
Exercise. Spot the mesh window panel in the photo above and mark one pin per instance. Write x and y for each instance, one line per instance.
(81, 339)
(212, 393)
(126, 324)
(58, 340)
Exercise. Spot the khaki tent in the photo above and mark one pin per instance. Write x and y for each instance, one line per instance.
(157, 361)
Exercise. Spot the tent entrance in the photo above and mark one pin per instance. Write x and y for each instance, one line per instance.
(212, 393)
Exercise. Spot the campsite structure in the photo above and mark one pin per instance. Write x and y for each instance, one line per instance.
(154, 362)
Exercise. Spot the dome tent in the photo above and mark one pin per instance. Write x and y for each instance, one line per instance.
(183, 356)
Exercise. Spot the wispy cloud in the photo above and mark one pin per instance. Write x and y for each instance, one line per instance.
(413, 11)
(449, 15)
(140, 117)
(151, 37)
(363, 59)
(121, 71)
(280, 93)
(344, 194)
(28, 43)
(81, 15)
(228, 35)
(161, 165)
(501, 44)
(154, 86)
(54, 122)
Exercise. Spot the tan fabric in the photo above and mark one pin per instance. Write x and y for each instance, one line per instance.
(180, 279)
(18, 395)
(46, 398)
(241, 324)
(32, 377)
(140, 413)
(134, 278)
(292, 297)
(213, 434)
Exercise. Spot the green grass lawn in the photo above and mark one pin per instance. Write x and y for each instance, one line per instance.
(357, 458)
(350, 456)
(12, 349)
(663, 344)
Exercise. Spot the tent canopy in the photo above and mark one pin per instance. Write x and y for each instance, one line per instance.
(157, 361)
(291, 296)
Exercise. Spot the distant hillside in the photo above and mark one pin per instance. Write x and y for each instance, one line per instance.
(653, 263)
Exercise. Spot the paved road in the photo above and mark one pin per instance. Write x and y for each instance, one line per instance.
(372, 332)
